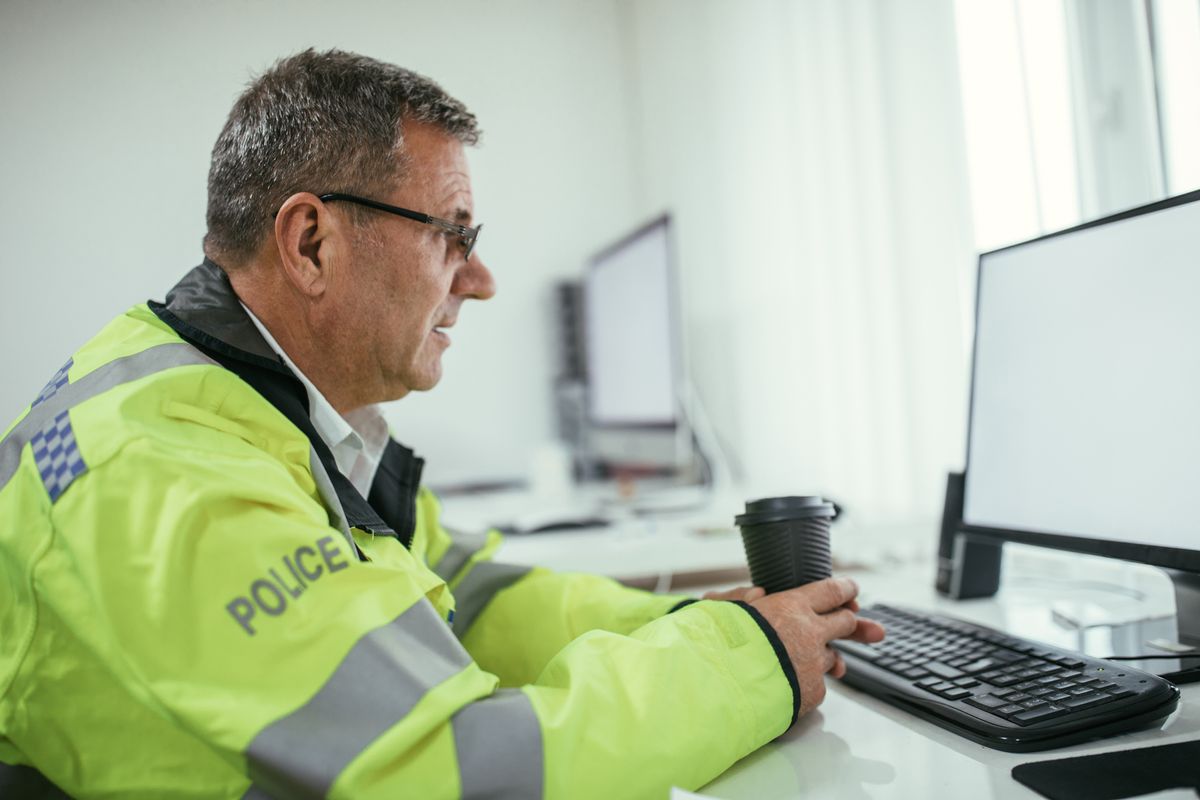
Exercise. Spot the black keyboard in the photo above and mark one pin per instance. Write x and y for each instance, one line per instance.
(1000, 691)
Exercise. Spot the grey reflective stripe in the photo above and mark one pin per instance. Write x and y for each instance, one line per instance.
(97, 382)
(329, 498)
(478, 588)
(463, 546)
(499, 745)
(381, 679)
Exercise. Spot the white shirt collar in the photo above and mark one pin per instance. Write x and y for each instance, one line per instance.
(357, 440)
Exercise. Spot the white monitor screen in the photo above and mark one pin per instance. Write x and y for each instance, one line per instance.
(1085, 417)
(627, 313)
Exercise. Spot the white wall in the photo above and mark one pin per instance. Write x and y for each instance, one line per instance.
(814, 154)
(108, 111)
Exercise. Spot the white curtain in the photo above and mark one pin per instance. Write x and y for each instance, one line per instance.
(812, 153)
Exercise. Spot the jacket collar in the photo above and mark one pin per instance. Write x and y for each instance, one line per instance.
(204, 310)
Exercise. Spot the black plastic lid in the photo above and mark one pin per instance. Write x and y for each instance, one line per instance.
(782, 509)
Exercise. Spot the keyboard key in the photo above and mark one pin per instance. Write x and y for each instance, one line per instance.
(1065, 685)
(1044, 693)
(1007, 656)
(864, 651)
(1121, 692)
(930, 681)
(1080, 691)
(1038, 714)
(944, 686)
(956, 693)
(1105, 685)
(1088, 700)
(980, 665)
(1047, 680)
(945, 670)
(1057, 696)
(1068, 662)
(1010, 709)
(1035, 702)
(912, 673)
(966, 683)
(987, 701)
(1005, 680)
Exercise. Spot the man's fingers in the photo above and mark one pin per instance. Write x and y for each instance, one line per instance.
(829, 594)
(839, 624)
(867, 631)
(831, 659)
(839, 665)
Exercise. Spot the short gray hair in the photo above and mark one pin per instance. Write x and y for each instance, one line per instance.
(318, 122)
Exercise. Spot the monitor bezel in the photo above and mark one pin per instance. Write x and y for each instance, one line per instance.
(673, 330)
(1154, 555)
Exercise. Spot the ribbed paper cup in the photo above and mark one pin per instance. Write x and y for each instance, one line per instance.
(787, 541)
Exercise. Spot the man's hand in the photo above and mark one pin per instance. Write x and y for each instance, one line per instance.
(807, 619)
(746, 594)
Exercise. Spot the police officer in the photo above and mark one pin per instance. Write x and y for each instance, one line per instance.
(220, 576)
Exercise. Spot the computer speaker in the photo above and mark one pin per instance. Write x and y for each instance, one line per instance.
(968, 565)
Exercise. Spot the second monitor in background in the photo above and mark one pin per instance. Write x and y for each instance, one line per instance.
(635, 423)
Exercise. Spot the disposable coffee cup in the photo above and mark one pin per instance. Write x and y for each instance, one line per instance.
(787, 541)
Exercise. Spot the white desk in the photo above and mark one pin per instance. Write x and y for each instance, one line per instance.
(695, 543)
(855, 746)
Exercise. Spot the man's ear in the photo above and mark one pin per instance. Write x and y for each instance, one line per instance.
(308, 238)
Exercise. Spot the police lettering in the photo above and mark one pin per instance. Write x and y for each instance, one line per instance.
(272, 593)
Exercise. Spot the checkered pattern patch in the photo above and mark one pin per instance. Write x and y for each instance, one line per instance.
(57, 455)
(57, 382)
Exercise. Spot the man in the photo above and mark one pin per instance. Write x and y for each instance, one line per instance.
(222, 578)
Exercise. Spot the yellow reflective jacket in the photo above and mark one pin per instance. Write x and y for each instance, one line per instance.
(195, 603)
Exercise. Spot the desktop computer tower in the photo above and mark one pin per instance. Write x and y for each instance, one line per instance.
(968, 565)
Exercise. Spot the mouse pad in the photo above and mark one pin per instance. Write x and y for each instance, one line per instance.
(1110, 776)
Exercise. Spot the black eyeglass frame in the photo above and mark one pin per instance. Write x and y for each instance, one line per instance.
(467, 236)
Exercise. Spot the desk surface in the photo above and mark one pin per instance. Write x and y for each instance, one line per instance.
(855, 746)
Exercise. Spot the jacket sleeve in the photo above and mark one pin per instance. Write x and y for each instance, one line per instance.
(514, 619)
(239, 621)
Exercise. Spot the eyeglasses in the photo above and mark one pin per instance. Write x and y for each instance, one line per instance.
(466, 236)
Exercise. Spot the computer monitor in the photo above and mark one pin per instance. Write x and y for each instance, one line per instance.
(1084, 430)
(633, 363)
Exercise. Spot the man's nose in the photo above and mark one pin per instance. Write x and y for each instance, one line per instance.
(474, 279)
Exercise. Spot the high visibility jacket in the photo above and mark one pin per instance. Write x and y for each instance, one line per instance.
(195, 603)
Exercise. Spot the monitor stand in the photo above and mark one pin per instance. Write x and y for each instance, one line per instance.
(1104, 630)
(1187, 608)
